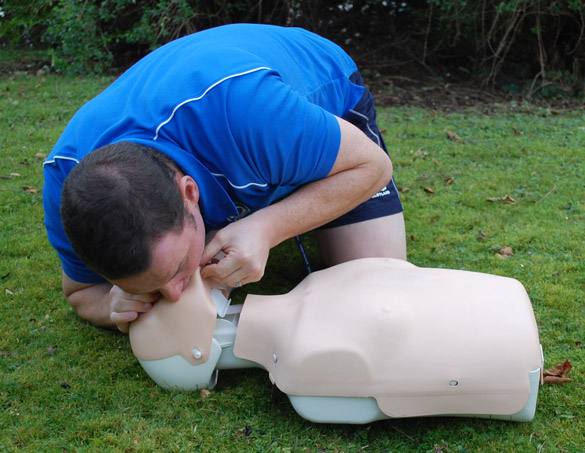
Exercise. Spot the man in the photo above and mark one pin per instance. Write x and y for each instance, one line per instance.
(252, 134)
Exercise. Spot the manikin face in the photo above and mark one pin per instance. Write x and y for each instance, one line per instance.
(175, 256)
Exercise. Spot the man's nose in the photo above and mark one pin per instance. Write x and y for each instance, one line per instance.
(172, 291)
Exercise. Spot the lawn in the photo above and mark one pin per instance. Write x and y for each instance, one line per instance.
(473, 181)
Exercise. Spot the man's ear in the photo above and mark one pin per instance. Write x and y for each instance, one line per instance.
(188, 189)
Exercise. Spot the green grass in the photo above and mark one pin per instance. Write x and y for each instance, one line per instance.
(67, 386)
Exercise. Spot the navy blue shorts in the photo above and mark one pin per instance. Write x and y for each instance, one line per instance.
(387, 201)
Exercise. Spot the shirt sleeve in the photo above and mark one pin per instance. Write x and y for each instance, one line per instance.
(287, 139)
(55, 172)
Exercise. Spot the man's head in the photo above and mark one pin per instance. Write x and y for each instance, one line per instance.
(118, 202)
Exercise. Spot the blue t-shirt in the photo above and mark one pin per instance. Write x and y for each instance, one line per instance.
(246, 110)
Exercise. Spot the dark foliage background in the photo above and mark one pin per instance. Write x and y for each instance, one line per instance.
(528, 46)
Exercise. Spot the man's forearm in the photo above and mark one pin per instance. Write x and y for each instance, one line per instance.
(364, 172)
(91, 302)
(310, 207)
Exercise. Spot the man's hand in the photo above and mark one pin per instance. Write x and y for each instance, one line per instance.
(245, 244)
(125, 307)
(105, 305)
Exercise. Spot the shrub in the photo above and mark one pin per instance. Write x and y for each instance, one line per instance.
(525, 40)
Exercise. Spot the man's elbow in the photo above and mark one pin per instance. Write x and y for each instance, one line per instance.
(385, 171)
(79, 305)
(89, 301)
(388, 171)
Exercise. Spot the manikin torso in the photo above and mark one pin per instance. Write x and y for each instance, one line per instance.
(368, 339)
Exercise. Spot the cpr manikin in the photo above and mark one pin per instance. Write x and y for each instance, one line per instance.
(362, 341)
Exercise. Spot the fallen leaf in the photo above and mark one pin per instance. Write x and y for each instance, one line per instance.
(453, 136)
(429, 190)
(204, 393)
(558, 373)
(14, 174)
(507, 199)
(448, 180)
(30, 189)
(40, 156)
(506, 252)
(556, 380)
(51, 349)
(404, 189)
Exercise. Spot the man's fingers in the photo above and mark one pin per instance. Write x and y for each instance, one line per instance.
(123, 319)
(219, 270)
(210, 251)
(122, 315)
(230, 271)
(130, 305)
(142, 298)
(118, 294)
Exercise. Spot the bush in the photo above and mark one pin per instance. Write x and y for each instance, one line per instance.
(488, 40)
(77, 43)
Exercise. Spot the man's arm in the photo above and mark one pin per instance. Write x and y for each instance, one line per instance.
(360, 170)
(104, 304)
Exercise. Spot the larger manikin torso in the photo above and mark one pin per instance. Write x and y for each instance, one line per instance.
(416, 341)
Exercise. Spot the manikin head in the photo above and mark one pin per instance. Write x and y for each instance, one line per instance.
(178, 327)
(129, 212)
(175, 342)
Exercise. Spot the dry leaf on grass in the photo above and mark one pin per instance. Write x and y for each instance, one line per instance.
(558, 373)
(507, 199)
(453, 136)
(505, 252)
(30, 189)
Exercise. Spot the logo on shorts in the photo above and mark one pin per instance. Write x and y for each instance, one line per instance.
(382, 192)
